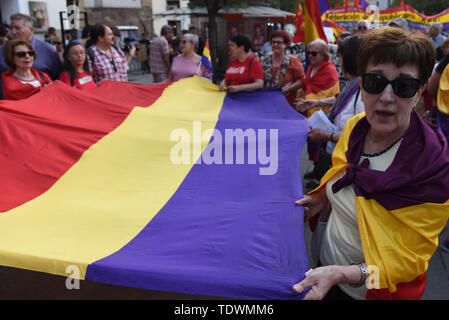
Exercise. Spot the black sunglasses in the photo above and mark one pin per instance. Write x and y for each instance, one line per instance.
(113, 64)
(402, 87)
(362, 28)
(22, 54)
(312, 53)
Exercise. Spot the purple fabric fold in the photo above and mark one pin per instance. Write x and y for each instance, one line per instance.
(228, 230)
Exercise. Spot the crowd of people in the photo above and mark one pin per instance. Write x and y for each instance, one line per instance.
(381, 179)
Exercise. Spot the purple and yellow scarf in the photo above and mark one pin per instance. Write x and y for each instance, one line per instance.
(401, 211)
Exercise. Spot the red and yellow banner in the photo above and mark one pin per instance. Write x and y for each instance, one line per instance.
(347, 17)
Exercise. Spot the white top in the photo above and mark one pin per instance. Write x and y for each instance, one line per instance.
(341, 241)
(34, 83)
(347, 113)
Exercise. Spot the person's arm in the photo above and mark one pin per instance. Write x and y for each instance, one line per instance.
(313, 203)
(322, 279)
(433, 84)
(298, 75)
(223, 86)
(295, 86)
(304, 105)
(55, 65)
(132, 54)
(319, 136)
(255, 85)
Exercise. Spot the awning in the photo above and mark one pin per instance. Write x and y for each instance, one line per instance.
(234, 13)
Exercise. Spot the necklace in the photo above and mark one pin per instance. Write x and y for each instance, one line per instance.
(28, 77)
(372, 155)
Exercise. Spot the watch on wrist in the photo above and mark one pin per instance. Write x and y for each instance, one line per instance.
(364, 275)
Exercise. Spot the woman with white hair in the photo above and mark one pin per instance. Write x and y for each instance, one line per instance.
(363, 27)
(436, 37)
(188, 63)
(321, 80)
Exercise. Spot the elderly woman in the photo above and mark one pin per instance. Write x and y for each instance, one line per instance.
(245, 72)
(188, 63)
(281, 70)
(348, 104)
(22, 80)
(76, 67)
(322, 77)
(389, 181)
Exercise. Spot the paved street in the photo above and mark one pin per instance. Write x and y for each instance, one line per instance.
(438, 274)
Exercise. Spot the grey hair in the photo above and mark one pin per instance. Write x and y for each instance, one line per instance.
(192, 38)
(324, 47)
(368, 24)
(26, 19)
(437, 25)
(166, 29)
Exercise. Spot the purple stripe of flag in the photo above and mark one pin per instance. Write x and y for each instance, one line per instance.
(227, 231)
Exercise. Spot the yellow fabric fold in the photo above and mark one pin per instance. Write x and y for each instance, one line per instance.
(114, 190)
(443, 92)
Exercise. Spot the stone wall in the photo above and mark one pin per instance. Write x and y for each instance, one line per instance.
(142, 18)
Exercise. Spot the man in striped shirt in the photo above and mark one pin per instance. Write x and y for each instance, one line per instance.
(106, 61)
(159, 55)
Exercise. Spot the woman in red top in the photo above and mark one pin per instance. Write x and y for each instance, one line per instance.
(283, 71)
(76, 67)
(22, 80)
(245, 72)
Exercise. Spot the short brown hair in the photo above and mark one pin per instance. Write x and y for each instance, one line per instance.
(394, 45)
(8, 51)
(281, 34)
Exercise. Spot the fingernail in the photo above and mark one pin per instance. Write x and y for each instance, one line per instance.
(297, 288)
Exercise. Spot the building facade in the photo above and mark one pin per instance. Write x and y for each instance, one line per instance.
(45, 13)
(132, 13)
(178, 22)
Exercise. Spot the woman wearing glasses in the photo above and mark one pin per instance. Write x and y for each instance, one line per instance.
(321, 80)
(76, 67)
(22, 80)
(389, 181)
(188, 63)
(281, 70)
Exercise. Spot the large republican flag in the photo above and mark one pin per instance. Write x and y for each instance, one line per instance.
(131, 185)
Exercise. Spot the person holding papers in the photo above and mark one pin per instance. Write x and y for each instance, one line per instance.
(188, 63)
(348, 104)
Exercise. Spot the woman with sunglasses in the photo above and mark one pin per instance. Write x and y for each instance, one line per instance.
(281, 70)
(389, 181)
(322, 80)
(76, 67)
(22, 80)
(348, 104)
(188, 63)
